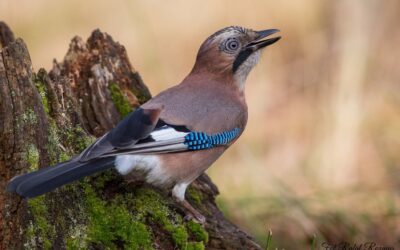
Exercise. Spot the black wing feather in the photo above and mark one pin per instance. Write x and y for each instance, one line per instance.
(136, 126)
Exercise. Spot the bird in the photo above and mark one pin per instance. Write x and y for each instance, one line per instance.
(175, 136)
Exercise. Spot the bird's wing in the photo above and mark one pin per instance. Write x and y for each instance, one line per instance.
(168, 138)
(165, 138)
(133, 128)
(145, 131)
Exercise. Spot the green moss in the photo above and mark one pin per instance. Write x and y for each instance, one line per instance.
(53, 144)
(30, 239)
(41, 230)
(43, 94)
(120, 101)
(64, 143)
(32, 157)
(101, 179)
(195, 246)
(76, 139)
(73, 244)
(29, 117)
(179, 236)
(197, 232)
(64, 156)
(149, 203)
(195, 195)
(113, 223)
(77, 240)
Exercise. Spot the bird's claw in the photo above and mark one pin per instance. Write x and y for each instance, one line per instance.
(199, 218)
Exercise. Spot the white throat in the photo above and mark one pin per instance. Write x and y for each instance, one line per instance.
(244, 69)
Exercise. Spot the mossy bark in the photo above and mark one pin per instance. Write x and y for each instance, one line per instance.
(46, 118)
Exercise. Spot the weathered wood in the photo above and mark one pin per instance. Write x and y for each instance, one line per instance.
(6, 35)
(49, 117)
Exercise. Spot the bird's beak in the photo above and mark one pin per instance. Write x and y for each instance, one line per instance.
(258, 43)
(255, 45)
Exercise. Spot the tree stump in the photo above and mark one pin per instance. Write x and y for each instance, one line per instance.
(46, 118)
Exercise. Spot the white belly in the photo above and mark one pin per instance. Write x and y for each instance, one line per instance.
(149, 164)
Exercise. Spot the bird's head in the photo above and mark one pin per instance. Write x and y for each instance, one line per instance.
(232, 52)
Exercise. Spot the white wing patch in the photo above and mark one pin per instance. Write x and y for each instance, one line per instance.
(163, 140)
(167, 133)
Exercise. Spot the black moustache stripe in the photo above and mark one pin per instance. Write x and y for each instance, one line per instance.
(243, 55)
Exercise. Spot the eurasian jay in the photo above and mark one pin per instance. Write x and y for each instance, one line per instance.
(175, 136)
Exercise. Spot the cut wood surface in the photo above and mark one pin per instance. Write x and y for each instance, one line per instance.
(48, 117)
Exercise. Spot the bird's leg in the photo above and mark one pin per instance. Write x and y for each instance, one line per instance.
(178, 193)
(193, 213)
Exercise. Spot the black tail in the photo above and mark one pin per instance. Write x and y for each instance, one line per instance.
(46, 179)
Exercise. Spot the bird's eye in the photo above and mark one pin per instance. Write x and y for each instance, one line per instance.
(231, 45)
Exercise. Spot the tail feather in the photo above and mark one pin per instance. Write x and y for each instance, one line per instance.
(46, 179)
(17, 180)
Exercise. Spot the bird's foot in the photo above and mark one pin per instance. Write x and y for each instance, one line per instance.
(192, 213)
(199, 218)
(178, 193)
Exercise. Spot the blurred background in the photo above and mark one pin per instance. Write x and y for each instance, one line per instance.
(321, 154)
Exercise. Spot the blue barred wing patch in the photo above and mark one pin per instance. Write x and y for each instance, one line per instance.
(199, 140)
